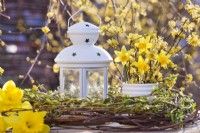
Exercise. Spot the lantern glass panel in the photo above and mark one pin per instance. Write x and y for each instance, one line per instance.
(95, 83)
(71, 82)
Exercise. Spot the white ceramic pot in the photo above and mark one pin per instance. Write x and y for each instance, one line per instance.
(136, 90)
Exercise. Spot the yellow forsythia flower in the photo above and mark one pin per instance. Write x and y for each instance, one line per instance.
(2, 43)
(113, 42)
(10, 96)
(24, 124)
(50, 14)
(193, 40)
(171, 80)
(189, 77)
(45, 29)
(21, 76)
(107, 19)
(1, 71)
(136, 6)
(175, 32)
(153, 1)
(188, 57)
(134, 37)
(32, 81)
(172, 23)
(55, 68)
(190, 95)
(35, 88)
(182, 89)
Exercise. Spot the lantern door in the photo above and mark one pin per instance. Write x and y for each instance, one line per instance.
(70, 82)
(94, 82)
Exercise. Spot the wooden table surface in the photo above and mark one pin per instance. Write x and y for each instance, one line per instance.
(193, 128)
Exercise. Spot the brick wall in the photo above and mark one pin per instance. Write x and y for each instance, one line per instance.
(25, 14)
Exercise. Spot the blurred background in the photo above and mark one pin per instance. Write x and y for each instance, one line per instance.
(22, 43)
(23, 36)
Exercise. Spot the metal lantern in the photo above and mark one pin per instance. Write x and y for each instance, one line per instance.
(83, 66)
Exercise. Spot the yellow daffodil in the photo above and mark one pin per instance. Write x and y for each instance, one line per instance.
(1, 71)
(24, 124)
(2, 125)
(142, 65)
(45, 29)
(163, 59)
(10, 96)
(144, 44)
(123, 56)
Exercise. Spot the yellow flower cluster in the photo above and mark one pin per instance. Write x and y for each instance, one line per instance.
(19, 121)
(193, 40)
(146, 58)
(193, 10)
(144, 46)
(11, 96)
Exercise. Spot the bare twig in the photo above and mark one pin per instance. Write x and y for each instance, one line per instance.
(6, 16)
(51, 5)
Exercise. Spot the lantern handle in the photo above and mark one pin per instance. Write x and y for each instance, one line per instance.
(81, 11)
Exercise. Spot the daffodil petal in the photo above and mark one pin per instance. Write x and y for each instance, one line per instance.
(45, 129)
(16, 130)
(9, 84)
(26, 105)
(123, 50)
(12, 120)
(117, 59)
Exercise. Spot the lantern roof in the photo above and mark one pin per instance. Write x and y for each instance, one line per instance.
(83, 56)
(83, 27)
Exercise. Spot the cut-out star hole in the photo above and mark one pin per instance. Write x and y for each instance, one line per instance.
(98, 54)
(87, 25)
(74, 54)
(87, 40)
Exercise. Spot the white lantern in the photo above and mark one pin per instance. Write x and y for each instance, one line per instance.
(83, 66)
